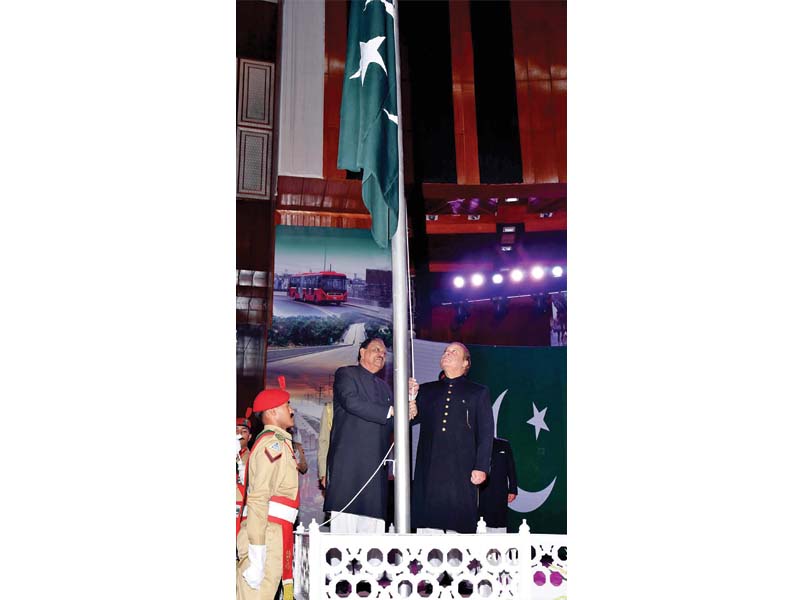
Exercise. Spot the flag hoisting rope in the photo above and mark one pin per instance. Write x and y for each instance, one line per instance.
(370, 140)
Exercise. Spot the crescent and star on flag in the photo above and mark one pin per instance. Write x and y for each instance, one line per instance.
(527, 501)
(370, 55)
(538, 420)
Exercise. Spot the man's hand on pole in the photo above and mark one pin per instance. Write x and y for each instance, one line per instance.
(413, 390)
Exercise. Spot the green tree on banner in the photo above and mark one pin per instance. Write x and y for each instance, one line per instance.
(368, 127)
(528, 390)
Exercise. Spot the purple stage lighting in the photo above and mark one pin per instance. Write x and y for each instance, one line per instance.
(537, 272)
(517, 275)
(497, 278)
(477, 280)
(558, 271)
(458, 281)
(456, 205)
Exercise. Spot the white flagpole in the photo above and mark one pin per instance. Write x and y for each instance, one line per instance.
(402, 431)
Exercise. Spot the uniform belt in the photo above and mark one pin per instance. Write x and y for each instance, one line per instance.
(282, 512)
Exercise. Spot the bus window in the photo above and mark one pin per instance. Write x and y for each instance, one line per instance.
(333, 283)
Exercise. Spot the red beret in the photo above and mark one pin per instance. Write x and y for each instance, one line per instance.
(243, 422)
(267, 399)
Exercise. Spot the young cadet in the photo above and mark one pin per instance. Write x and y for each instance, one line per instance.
(266, 541)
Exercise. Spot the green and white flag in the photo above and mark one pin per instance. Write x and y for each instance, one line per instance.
(528, 388)
(368, 130)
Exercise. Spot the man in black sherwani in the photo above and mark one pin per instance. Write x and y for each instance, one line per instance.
(454, 450)
(500, 489)
(360, 437)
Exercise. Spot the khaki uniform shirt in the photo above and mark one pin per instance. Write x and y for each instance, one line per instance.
(272, 472)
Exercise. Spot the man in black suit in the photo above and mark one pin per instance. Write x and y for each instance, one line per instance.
(500, 488)
(454, 450)
(363, 420)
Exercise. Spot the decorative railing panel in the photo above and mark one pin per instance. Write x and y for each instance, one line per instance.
(479, 566)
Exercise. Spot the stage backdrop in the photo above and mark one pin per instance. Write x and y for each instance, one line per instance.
(312, 336)
(528, 387)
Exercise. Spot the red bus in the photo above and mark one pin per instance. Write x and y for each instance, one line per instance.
(323, 286)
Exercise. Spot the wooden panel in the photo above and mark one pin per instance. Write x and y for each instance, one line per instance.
(306, 219)
(253, 235)
(541, 105)
(256, 94)
(561, 154)
(559, 103)
(464, 112)
(560, 124)
(335, 55)
(254, 160)
(311, 202)
(540, 58)
(558, 47)
(544, 162)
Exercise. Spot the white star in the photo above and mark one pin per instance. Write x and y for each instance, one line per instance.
(369, 55)
(387, 5)
(392, 118)
(538, 420)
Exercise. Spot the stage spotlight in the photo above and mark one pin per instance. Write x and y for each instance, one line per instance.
(458, 281)
(540, 306)
(477, 280)
(517, 275)
(462, 313)
(497, 278)
(558, 271)
(537, 272)
(500, 307)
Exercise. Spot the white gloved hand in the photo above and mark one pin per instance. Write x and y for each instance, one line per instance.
(240, 470)
(238, 444)
(254, 574)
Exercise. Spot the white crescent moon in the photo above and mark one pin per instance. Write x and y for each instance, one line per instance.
(525, 501)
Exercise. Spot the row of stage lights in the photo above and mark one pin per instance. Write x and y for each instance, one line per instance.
(516, 275)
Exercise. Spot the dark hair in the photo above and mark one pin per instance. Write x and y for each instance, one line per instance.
(366, 343)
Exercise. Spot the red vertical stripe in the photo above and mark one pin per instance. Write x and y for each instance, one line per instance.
(335, 53)
(464, 115)
(540, 59)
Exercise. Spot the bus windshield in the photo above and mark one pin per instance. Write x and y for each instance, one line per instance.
(333, 283)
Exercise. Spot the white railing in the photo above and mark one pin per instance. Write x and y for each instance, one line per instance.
(482, 565)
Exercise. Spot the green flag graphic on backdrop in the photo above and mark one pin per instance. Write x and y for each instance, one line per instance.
(528, 389)
(368, 127)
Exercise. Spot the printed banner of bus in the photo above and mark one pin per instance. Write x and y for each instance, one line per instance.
(320, 287)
